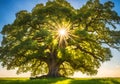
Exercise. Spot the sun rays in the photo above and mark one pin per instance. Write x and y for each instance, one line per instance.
(62, 31)
(62, 35)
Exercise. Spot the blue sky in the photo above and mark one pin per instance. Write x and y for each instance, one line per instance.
(8, 9)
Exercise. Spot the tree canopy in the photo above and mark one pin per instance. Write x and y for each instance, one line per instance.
(58, 39)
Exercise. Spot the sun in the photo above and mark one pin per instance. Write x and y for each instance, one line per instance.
(62, 32)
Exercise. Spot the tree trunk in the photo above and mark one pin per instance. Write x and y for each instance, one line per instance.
(53, 69)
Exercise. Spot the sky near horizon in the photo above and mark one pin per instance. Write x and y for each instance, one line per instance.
(8, 9)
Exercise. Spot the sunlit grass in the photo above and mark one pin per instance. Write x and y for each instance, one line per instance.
(14, 78)
(67, 81)
(60, 81)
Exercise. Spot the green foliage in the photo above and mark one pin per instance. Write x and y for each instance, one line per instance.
(32, 42)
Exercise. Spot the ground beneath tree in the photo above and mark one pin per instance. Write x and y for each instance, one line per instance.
(46, 76)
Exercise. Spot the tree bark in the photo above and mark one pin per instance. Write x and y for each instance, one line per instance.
(53, 67)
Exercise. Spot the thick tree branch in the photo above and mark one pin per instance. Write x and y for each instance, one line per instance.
(90, 53)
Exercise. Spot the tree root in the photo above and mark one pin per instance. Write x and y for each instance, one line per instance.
(44, 76)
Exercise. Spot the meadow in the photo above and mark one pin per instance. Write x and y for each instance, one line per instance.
(60, 81)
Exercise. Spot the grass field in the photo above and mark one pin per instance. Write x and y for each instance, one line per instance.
(60, 81)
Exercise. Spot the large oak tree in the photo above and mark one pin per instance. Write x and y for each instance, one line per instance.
(58, 39)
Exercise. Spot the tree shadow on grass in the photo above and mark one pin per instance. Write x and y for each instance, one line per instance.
(35, 81)
(48, 80)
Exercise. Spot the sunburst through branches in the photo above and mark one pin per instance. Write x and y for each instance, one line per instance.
(63, 35)
(61, 31)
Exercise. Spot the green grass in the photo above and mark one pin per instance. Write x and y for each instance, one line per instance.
(60, 81)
